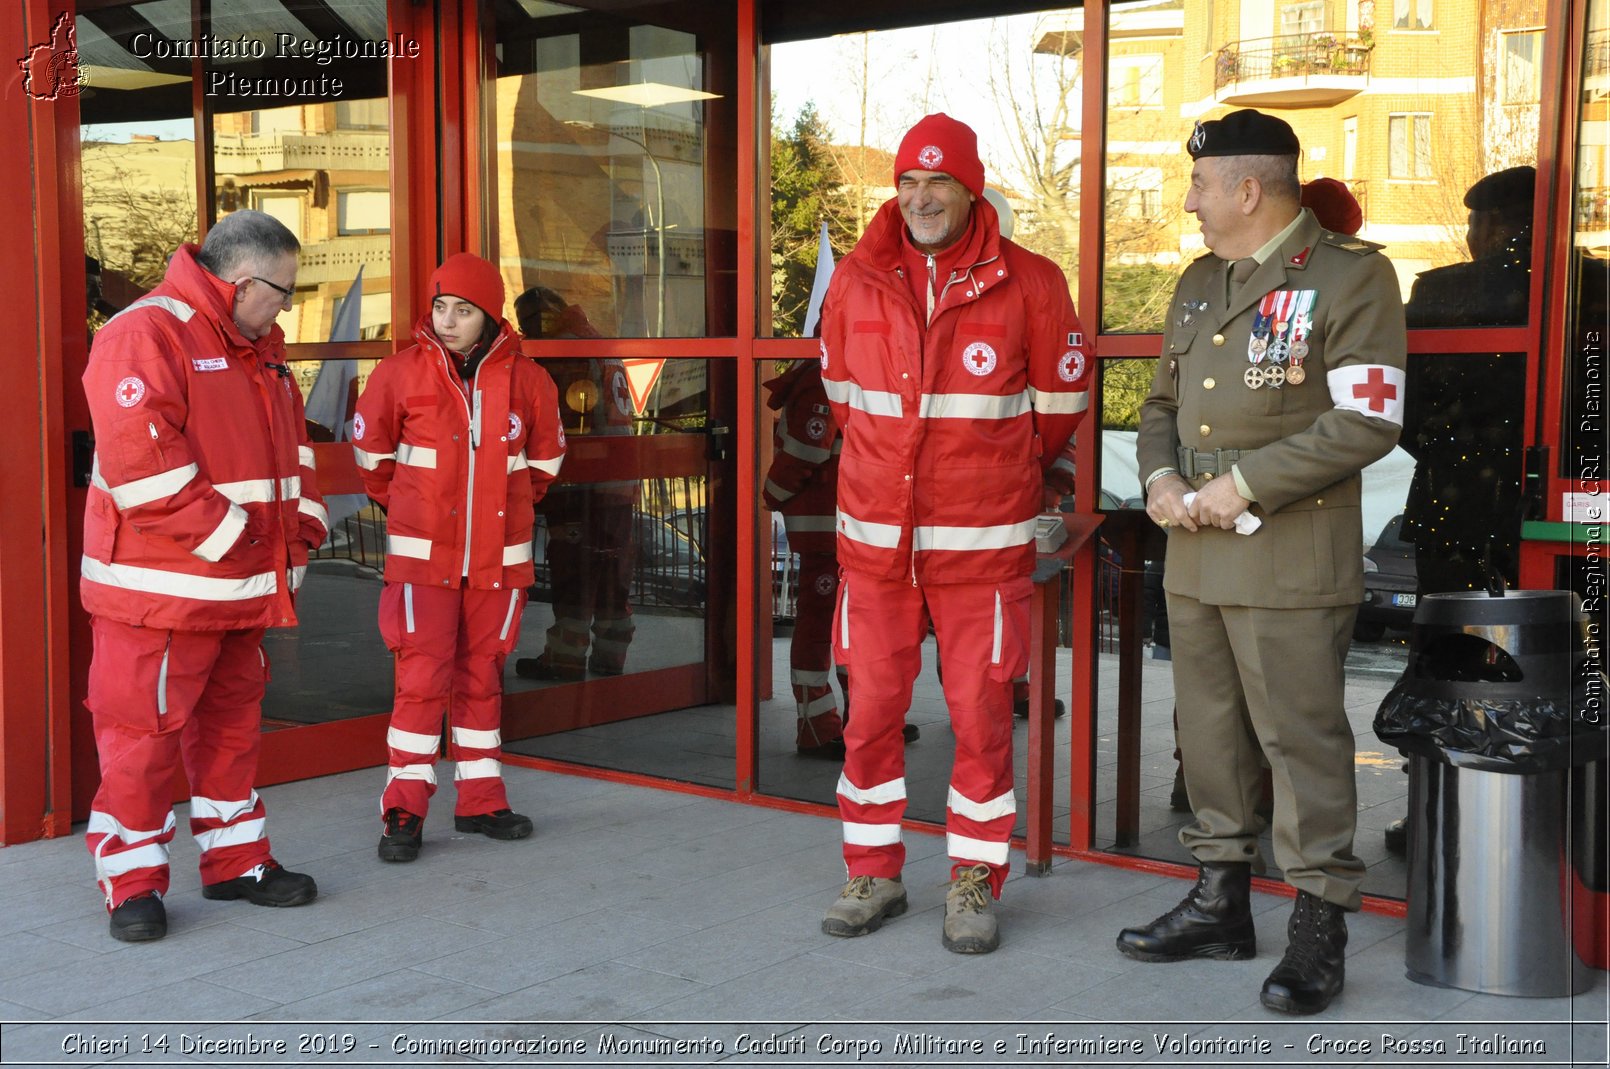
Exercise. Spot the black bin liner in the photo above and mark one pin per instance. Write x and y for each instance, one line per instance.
(1500, 684)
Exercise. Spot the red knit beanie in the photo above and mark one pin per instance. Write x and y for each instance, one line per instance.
(469, 278)
(1334, 205)
(940, 143)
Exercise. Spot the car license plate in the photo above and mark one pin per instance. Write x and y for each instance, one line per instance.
(1404, 601)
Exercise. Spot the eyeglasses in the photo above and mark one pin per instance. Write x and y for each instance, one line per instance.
(285, 294)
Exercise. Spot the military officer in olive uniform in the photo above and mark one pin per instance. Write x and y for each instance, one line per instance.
(1281, 378)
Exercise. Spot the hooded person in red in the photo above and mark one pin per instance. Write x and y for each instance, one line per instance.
(957, 370)
(457, 438)
(201, 514)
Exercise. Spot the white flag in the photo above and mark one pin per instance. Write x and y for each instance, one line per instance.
(335, 391)
(824, 275)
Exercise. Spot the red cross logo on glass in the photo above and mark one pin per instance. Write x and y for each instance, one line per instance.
(1376, 389)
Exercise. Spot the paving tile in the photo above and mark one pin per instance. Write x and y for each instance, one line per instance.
(608, 991)
(802, 988)
(725, 951)
(196, 999)
(29, 952)
(402, 995)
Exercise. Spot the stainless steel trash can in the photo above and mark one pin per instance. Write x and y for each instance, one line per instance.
(1490, 881)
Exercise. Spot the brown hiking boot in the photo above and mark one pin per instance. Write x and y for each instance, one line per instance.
(863, 905)
(970, 925)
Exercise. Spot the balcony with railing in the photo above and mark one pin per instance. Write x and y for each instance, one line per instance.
(1305, 70)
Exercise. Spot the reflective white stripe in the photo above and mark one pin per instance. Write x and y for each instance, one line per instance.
(1064, 464)
(803, 524)
(777, 493)
(247, 831)
(290, 486)
(872, 402)
(995, 642)
(484, 768)
(512, 615)
(412, 741)
(177, 584)
(221, 811)
(143, 491)
(309, 507)
(478, 740)
(1373, 390)
(151, 855)
(825, 704)
(370, 461)
(304, 456)
(224, 536)
(162, 678)
(550, 465)
(408, 607)
(518, 462)
(518, 553)
(298, 574)
(962, 848)
(423, 773)
(1002, 536)
(247, 491)
(809, 677)
(882, 535)
(408, 546)
(177, 308)
(1059, 401)
(811, 454)
(416, 456)
(879, 794)
(844, 617)
(871, 834)
(972, 406)
(106, 824)
(994, 809)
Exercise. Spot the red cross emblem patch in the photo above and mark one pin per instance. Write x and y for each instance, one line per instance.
(930, 157)
(979, 358)
(130, 392)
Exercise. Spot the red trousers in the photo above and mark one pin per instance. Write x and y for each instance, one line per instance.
(810, 654)
(159, 698)
(982, 630)
(450, 644)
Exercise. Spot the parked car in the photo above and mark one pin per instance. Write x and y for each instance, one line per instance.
(1389, 584)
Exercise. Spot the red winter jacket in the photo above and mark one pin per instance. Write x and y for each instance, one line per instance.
(802, 482)
(458, 467)
(202, 504)
(948, 428)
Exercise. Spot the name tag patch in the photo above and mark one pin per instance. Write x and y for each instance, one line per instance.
(210, 363)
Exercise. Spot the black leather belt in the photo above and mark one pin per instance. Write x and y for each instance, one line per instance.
(1193, 463)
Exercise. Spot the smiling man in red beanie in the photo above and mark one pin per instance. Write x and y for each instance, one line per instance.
(457, 439)
(957, 369)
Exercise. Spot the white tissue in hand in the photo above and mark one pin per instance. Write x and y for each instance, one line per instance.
(1245, 523)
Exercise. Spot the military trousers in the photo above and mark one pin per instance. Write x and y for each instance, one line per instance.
(1251, 681)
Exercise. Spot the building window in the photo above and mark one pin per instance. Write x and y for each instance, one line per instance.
(369, 114)
(1304, 18)
(1520, 68)
(1135, 82)
(363, 211)
(1134, 192)
(1409, 146)
(1411, 14)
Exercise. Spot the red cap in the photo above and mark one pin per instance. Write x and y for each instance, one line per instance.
(1334, 205)
(469, 278)
(940, 143)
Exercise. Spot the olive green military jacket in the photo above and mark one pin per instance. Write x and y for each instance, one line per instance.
(1302, 445)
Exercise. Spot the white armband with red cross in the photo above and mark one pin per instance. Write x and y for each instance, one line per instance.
(1374, 390)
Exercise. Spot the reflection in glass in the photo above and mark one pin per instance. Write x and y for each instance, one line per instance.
(604, 151)
(1588, 323)
(1408, 149)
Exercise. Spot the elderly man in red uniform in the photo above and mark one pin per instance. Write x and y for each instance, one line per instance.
(957, 370)
(201, 513)
(457, 437)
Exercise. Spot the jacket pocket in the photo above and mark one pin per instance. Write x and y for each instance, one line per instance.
(1009, 644)
(841, 624)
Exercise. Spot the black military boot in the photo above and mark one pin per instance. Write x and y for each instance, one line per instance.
(1213, 921)
(1310, 974)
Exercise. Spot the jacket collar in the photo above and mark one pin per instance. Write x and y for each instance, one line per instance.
(1291, 258)
(215, 299)
(884, 240)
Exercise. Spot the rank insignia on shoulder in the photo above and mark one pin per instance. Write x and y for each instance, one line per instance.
(1350, 243)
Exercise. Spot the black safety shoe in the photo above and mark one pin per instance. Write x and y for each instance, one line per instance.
(544, 669)
(1311, 973)
(140, 919)
(276, 886)
(503, 824)
(402, 835)
(1020, 709)
(1397, 836)
(911, 733)
(1213, 921)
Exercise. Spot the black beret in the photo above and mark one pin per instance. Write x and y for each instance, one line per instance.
(1243, 133)
(1509, 190)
